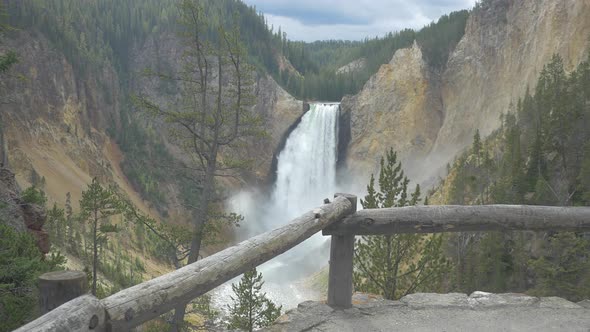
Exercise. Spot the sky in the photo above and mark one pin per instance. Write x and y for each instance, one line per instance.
(311, 20)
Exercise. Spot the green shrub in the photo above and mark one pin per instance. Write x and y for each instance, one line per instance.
(33, 195)
(21, 263)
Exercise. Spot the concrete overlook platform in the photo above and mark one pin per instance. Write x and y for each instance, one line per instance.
(479, 311)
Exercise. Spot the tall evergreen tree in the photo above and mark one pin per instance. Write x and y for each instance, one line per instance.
(476, 147)
(400, 264)
(213, 116)
(564, 269)
(7, 60)
(584, 177)
(97, 206)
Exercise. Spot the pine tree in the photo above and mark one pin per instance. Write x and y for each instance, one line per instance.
(251, 309)
(213, 115)
(396, 265)
(584, 177)
(97, 206)
(56, 222)
(69, 213)
(476, 147)
(21, 263)
(564, 269)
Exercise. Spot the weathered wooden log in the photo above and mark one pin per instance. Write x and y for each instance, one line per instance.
(340, 272)
(85, 313)
(133, 306)
(437, 219)
(57, 288)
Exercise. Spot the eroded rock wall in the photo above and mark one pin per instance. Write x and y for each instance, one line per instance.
(430, 117)
(398, 107)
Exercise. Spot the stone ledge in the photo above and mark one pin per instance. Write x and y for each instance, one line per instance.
(449, 312)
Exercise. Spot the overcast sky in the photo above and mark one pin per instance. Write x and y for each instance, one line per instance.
(312, 20)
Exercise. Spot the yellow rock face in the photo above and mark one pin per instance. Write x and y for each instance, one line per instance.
(502, 53)
(429, 117)
(393, 110)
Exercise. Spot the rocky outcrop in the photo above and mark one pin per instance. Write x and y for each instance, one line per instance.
(279, 111)
(422, 114)
(353, 66)
(506, 44)
(20, 215)
(55, 116)
(440, 312)
(47, 86)
(398, 107)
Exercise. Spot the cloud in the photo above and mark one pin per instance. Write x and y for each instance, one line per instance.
(311, 20)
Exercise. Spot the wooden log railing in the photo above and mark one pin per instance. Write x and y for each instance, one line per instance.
(462, 218)
(138, 304)
(135, 305)
(437, 219)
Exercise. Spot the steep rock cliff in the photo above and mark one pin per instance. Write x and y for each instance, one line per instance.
(504, 48)
(506, 44)
(54, 118)
(20, 215)
(397, 107)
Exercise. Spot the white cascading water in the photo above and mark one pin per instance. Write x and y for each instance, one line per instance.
(306, 171)
(306, 174)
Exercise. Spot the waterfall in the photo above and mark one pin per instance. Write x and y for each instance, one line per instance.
(306, 174)
(306, 171)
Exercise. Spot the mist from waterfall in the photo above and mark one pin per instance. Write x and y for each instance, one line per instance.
(306, 175)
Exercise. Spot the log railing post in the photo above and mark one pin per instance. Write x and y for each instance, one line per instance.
(340, 274)
(57, 288)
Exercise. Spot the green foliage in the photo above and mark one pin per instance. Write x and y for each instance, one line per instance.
(21, 263)
(97, 206)
(139, 144)
(400, 264)
(33, 195)
(210, 133)
(564, 269)
(438, 40)
(476, 147)
(251, 309)
(584, 178)
(7, 60)
(534, 158)
(57, 226)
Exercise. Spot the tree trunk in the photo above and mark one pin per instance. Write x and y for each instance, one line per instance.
(3, 149)
(200, 223)
(95, 254)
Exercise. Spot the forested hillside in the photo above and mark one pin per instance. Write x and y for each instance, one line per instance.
(313, 75)
(540, 156)
(319, 61)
